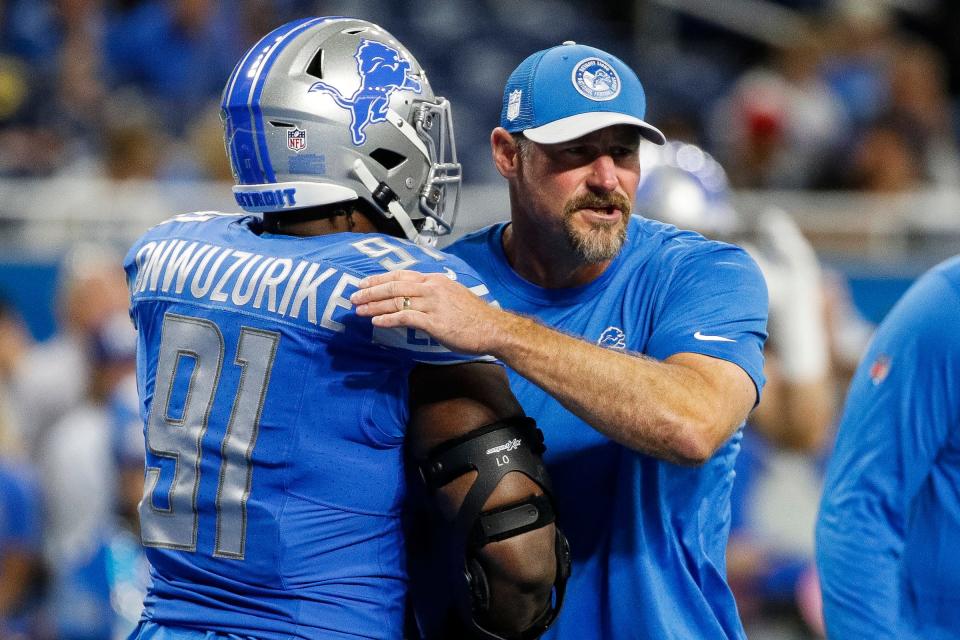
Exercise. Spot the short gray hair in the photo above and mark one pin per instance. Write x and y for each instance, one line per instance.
(523, 144)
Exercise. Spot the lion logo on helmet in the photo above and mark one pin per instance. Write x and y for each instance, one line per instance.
(382, 70)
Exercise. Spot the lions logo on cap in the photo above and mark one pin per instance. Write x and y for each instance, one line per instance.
(595, 79)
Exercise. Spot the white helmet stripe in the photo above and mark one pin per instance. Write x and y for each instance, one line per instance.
(256, 87)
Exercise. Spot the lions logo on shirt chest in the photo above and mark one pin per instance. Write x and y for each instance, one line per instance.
(613, 338)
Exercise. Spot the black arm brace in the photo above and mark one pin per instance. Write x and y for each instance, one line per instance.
(493, 451)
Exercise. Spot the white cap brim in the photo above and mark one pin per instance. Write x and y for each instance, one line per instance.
(573, 127)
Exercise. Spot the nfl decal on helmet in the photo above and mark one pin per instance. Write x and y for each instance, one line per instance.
(296, 139)
(330, 110)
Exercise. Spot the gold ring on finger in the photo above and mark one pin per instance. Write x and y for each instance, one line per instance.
(406, 303)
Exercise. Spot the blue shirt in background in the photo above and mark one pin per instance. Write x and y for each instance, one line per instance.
(21, 521)
(20, 507)
(888, 534)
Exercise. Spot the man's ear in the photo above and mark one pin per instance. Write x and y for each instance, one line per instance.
(506, 153)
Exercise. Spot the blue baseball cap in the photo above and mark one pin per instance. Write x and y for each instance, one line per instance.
(570, 90)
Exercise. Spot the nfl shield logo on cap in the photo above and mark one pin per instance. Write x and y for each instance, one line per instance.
(296, 139)
(513, 104)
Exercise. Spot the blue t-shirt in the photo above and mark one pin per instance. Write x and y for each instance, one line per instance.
(888, 534)
(648, 537)
(275, 419)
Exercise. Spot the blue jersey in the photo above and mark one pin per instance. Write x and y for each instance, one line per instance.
(889, 524)
(20, 508)
(648, 537)
(274, 424)
(21, 531)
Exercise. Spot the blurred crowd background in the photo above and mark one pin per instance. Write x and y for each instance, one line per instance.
(835, 123)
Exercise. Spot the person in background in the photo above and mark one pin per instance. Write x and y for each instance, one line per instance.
(21, 526)
(890, 512)
(15, 343)
(770, 553)
(21, 557)
(81, 476)
(53, 378)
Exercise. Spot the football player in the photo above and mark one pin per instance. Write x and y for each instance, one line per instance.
(276, 419)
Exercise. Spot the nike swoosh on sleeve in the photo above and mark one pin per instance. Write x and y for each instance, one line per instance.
(706, 338)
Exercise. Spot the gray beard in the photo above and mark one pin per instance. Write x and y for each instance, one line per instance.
(599, 244)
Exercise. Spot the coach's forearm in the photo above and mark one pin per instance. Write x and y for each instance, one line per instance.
(663, 409)
(681, 409)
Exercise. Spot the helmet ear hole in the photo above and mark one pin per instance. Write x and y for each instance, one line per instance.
(387, 159)
(315, 68)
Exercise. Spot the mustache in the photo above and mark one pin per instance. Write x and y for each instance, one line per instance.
(612, 200)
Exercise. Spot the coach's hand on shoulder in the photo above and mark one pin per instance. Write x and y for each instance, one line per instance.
(451, 313)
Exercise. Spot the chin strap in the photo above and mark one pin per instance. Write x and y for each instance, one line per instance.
(386, 199)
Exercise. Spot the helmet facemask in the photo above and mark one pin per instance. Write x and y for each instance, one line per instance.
(434, 123)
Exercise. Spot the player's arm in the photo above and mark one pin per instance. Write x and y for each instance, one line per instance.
(794, 414)
(16, 568)
(494, 499)
(680, 409)
(797, 409)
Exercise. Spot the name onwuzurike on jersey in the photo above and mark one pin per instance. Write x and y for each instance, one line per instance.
(281, 286)
(299, 290)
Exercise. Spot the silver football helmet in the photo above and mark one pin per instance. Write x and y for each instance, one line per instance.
(327, 110)
(683, 185)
